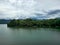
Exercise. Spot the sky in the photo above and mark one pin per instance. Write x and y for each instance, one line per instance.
(41, 9)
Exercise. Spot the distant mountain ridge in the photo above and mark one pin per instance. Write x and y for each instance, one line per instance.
(4, 21)
(49, 14)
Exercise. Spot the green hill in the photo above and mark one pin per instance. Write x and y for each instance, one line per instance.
(34, 23)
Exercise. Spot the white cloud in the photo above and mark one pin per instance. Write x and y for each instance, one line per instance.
(26, 8)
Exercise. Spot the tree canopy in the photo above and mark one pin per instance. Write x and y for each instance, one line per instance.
(34, 23)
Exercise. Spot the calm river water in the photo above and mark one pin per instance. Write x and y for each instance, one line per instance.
(30, 36)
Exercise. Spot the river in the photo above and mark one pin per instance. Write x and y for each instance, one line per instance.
(30, 36)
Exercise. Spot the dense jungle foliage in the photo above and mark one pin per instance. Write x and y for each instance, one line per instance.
(34, 23)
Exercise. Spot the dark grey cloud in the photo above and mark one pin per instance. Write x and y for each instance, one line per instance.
(53, 12)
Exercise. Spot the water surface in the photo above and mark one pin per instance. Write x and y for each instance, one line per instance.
(15, 36)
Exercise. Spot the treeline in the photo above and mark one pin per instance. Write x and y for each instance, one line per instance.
(35, 23)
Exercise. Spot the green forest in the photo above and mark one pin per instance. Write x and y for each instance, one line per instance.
(34, 23)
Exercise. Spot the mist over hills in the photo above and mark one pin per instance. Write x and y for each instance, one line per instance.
(48, 15)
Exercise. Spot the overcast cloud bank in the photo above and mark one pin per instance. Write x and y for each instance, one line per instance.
(40, 9)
